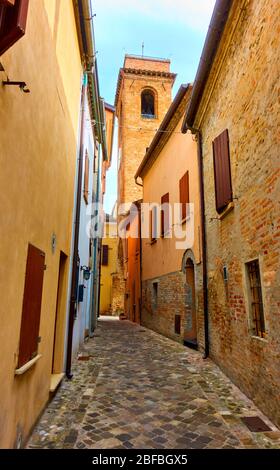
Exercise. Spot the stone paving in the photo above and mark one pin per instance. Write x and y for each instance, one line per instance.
(141, 390)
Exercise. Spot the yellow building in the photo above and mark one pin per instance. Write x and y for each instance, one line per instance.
(171, 245)
(38, 153)
(108, 267)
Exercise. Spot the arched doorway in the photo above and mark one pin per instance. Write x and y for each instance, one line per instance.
(190, 332)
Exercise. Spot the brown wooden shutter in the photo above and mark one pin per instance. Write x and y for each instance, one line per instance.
(164, 214)
(222, 172)
(105, 255)
(13, 17)
(86, 178)
(153, 224)
(31, 308)
(184, 193)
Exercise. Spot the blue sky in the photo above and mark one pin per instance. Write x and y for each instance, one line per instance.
(173, 29)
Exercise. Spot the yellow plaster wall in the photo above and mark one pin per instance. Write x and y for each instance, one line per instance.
(38, 145)
(177, 156)
(107, 271)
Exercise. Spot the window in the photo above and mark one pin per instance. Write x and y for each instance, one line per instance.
(86, 178)
(13, 17)
(184, 195)
(105, 255)
(155, 295)
(153, 224)
(255, 298)
(31, 307)
(177, 326)
(222, 172)
(148, 104)
(164, 214)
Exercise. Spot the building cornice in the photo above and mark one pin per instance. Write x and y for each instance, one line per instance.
(142, 73)
(235, 17)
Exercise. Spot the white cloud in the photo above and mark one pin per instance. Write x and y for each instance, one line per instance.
(195, 14)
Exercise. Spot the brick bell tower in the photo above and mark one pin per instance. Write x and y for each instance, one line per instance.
(143, 97)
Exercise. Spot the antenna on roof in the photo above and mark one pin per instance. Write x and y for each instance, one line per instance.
(143, 45)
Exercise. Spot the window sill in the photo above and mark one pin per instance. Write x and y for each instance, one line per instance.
(148, 116)
(21, 370)
(258, 338)
(55, 381)
(227, 210)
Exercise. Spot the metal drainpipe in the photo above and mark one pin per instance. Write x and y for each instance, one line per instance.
(204, 243)
(73, 298)
(138, 184)
(140, 232)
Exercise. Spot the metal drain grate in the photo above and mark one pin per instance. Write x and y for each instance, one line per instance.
(83, 357)
(255, 424)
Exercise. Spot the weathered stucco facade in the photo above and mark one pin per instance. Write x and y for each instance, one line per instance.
(39, 134)
(242, 95)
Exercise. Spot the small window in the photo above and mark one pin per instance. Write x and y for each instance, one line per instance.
(255, 298)
(155, 295)
(105, 255)
(164, 214)
(177, 325)
(184, 195)
(148, 104)
(222, 171)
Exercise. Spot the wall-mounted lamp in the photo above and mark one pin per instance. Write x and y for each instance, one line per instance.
(86, 272)
(21, 85)
(225, 273)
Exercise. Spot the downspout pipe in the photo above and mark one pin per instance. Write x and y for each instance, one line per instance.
(136, 182)
(198, 135)
(141, 261)
(73, 298)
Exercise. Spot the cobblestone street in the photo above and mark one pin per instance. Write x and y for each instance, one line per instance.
(141, 390)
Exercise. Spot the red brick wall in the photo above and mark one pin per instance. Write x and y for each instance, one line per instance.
(245, 100)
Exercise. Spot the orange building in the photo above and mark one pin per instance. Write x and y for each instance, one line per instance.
(172, 295)
(132, 265)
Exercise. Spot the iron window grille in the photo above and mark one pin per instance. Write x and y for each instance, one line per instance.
(256, 299)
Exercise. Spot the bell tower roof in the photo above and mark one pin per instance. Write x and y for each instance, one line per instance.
(135, 65)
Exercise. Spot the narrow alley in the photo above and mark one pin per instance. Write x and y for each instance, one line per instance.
(133, 388)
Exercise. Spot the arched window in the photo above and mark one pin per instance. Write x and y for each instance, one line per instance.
(148, 104)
